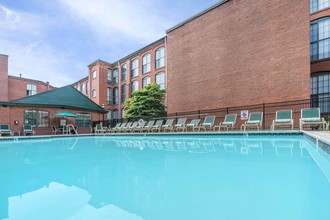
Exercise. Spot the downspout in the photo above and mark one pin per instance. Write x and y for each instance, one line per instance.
(166, 66)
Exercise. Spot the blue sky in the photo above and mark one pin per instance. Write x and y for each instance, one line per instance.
(55, 40)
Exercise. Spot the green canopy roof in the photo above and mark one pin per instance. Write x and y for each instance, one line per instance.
(66, 97)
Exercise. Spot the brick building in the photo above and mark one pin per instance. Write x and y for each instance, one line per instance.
(234, 53)
(110, 84)
(246, 52)
(27, 101)
(15, 87)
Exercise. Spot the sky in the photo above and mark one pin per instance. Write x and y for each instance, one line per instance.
(55, 40)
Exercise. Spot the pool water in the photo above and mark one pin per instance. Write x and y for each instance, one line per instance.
(165, 178)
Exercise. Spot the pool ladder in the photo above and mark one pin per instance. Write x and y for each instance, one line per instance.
(70, 128)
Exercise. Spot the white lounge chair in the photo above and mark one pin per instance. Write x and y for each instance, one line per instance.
(254, 121)
(283, 118)
(229, 122)
(311, 117)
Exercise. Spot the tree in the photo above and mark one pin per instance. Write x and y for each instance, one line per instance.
(146, 103)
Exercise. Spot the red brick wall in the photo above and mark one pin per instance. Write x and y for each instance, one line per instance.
(320, 66)
(320, 14)
(10, 114)
(101, 85)
(3, 77)
(240, 53)
(17, 87)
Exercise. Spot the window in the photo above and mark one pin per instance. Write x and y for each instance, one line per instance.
(160, 57)
(317, 5)
(123, 93)
(123, 72)
(36, 118)
(109, 96)
(83, 88)
(94, 74)
(109, 117)
(145, 81)
(134, 86)
(160, 80)
(320, 39)
(109, 76)
(87, 88)
(122, 113)
(115, 116)
(320, 91)
(94, 93)
(115, 76)
(146, 63)
(31, 89)
(135, 68)
(83, 120)
(115, 96)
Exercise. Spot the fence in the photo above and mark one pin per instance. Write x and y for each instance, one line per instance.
(268, 110)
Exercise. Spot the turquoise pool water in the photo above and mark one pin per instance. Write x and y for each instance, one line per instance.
(165, 178)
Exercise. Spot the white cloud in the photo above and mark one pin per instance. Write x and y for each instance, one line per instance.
(55, 40)
(39, 62)
(23, 37)
(132, 19)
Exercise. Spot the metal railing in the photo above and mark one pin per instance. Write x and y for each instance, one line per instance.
(268, 110)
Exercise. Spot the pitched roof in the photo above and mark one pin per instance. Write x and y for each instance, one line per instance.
(64, 97)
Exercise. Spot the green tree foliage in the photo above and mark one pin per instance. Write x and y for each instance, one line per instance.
(146, 103)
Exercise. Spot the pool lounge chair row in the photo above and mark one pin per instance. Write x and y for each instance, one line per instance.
(5, 130)
(283, 119)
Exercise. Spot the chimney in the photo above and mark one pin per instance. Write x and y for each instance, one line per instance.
(3, 77)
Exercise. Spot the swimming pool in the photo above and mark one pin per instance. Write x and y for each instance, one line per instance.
(165, 177)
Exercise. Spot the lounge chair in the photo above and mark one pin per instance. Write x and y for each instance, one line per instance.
(208, 123)
(148, 127)
(141, 125)
(255, 120)
(157, 126)
(5, 129)
(283, 118)
(229, 122)
(99, 129)
(311, 117)
(132, 127)
(27, 129)
(194, 124)
(168, 125)
(110, 129)
(125, 127)
(181, 124)
(121, 127)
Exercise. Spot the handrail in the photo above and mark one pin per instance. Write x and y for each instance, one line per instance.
(71, 127)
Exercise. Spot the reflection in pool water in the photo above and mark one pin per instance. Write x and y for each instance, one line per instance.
(179, 177)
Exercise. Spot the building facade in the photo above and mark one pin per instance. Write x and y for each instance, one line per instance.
(32, 102)
(246, 52)
(234, 53)
(110, 84)
(16, 87)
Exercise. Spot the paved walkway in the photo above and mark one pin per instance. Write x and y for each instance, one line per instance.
(322, 135)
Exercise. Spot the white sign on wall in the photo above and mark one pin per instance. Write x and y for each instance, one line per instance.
(244, 115)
